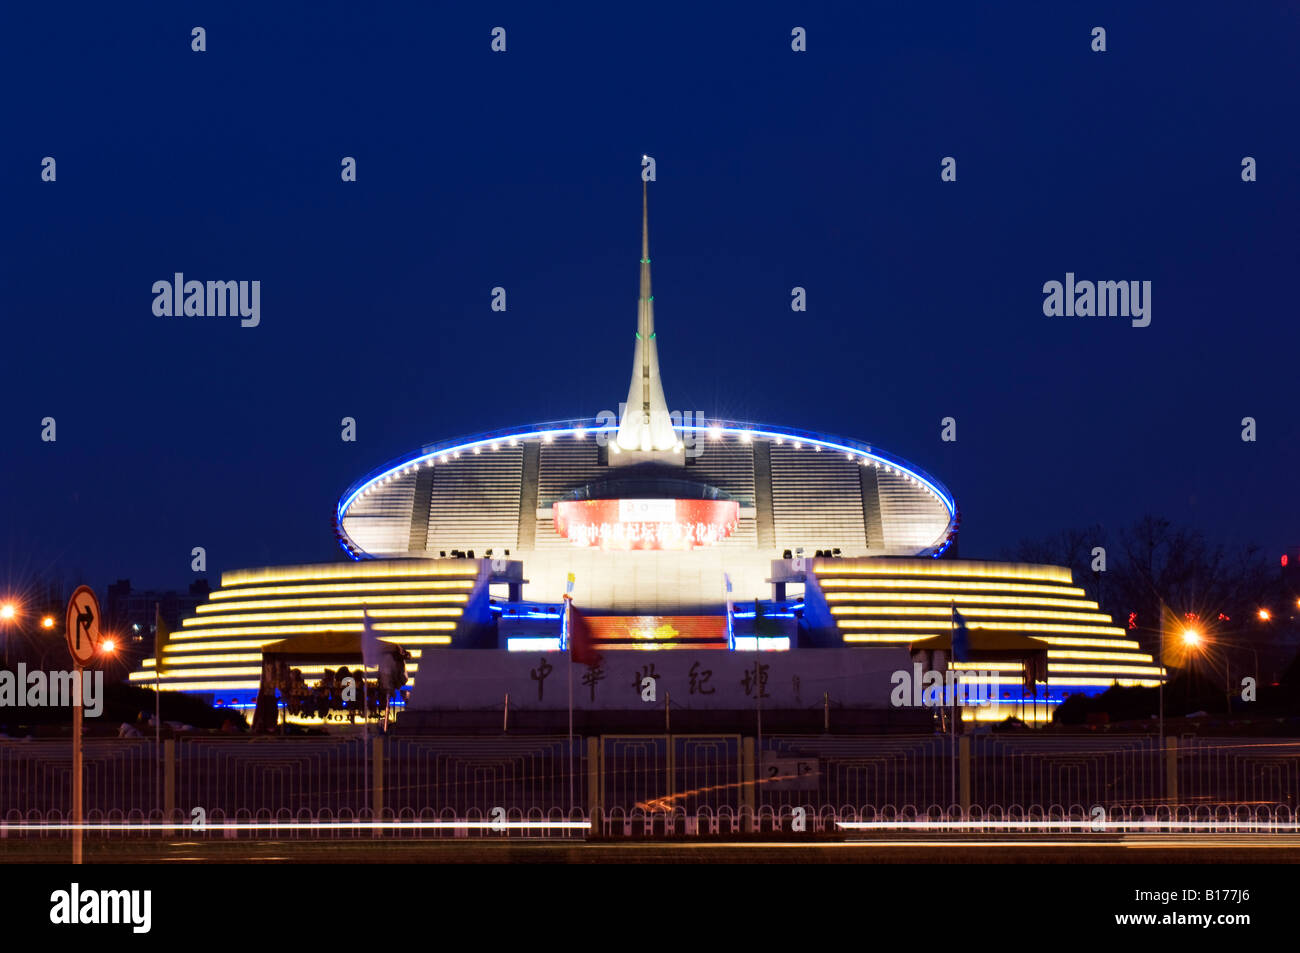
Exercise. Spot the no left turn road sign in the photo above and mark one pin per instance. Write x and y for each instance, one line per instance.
(82, 629)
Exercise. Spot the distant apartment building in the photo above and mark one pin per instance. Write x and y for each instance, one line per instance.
(130, 612)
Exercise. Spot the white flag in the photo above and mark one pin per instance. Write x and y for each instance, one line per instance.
(731, 613)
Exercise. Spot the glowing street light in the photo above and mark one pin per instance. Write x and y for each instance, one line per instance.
(47, 622)
(108, 646)
(8, 612)
(1264, 615)
(1191, 638)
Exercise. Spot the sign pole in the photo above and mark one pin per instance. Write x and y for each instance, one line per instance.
(78, 674)
(82, 634)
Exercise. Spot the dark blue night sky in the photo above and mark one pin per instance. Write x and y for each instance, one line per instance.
(774, 169)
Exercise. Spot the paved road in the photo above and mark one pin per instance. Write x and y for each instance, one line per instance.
(1080, 849)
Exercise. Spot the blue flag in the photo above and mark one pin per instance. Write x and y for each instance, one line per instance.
(960, 637)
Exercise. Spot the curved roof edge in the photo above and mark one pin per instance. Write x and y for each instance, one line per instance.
(582, 426)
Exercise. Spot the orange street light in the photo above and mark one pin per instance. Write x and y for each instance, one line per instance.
(1265, 615)
(108, 646)
(7, 613)
(1191, 638)
(47, 622)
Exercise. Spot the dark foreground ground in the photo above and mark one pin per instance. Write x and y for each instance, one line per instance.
(1075, 849)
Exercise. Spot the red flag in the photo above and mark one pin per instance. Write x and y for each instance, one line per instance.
(581, 647)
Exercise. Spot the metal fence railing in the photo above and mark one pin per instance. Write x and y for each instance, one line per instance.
(670, 782)
(810, 820)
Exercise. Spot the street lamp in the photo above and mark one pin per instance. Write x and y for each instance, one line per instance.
(1192, 640)
(8, 612)
(1164, 677)
(47, 622)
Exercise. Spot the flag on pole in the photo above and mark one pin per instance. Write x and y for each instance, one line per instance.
(161, 637)
(582, 648)
(731, 615)
(564, 617)
(960, 637)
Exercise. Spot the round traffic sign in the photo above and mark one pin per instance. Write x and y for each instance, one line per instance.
(83, 625)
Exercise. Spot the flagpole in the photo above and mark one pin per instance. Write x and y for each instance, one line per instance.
(365, 709)
(758, 754)
(157, 738)
(1160, 753)
(365, 736)
(566, 644)
(952, 725)
(157, 708)
(731, 616)
(568, 604)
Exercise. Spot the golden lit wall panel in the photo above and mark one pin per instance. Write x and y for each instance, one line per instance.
(891, 585)
(359, 591)
(941, 627)
(970, 613)
(343, 615)
(945, 598)
(372, 569)
(284, 631)
(947, 568)
(346, 602)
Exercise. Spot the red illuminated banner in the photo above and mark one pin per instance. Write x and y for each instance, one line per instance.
(646, 524)
(642, 631)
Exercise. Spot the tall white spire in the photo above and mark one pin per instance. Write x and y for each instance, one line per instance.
(646, 425)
